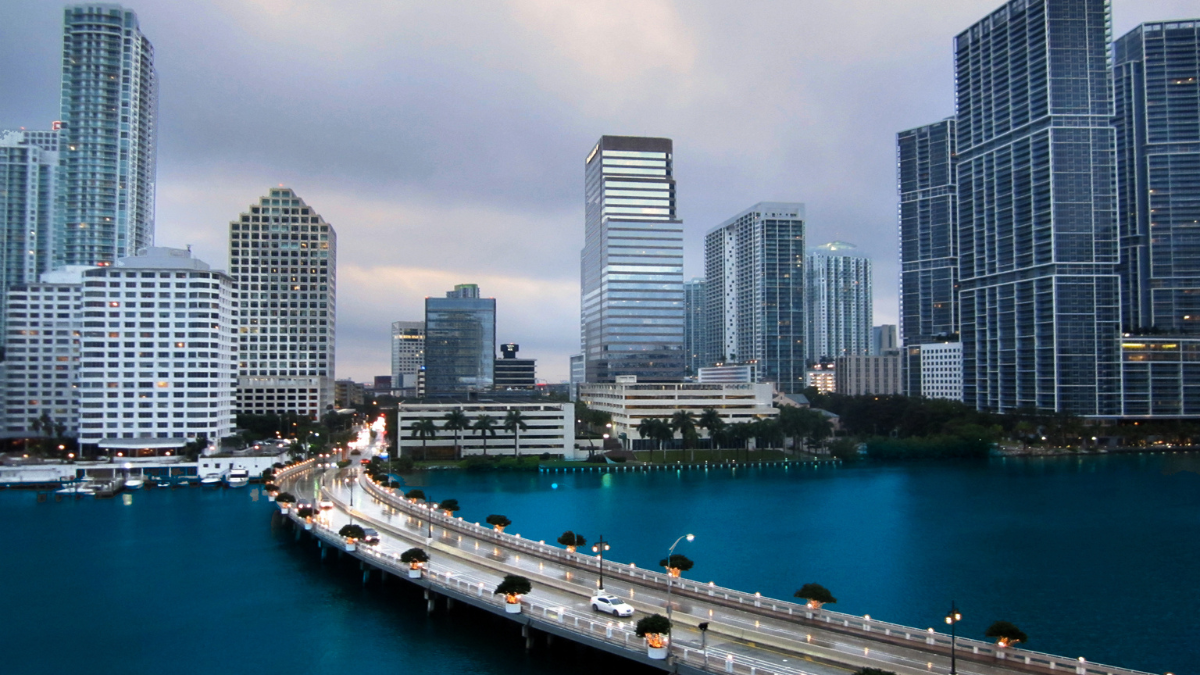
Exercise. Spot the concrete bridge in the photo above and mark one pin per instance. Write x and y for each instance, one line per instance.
(748, 634)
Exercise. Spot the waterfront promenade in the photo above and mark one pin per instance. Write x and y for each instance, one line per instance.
(748, 633)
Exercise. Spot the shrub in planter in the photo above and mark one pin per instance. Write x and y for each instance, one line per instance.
(816, 595)
(1006, 633)
(677, 564)
(572, 540)
(304, 512)
(449, 506)
(285, 498)
(415, 558)
(352, 531)
(512, 588)
(655, 628)
(343, 463)
(499, 522)
(415, 495)
(271, 487)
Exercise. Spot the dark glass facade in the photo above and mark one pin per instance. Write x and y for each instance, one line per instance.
(1161, 376)
(632, 263)
(1157, 121)
(694, 327)
(755, 303)
(928, 236)
(1039, 293)
(460, 344)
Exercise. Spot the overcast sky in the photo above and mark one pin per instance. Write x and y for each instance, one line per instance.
(445, 140)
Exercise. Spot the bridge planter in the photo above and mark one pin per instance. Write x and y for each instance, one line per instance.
(657, 653)
(350, 546)
(308, 523)
(414, 573)
(512, 607)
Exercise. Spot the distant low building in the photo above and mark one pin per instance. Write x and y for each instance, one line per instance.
(550, 429)
(941, 370)
(822, 377)
(866, 375)
(513, 373)
(347, 393)
(630, 402)
(732, 373)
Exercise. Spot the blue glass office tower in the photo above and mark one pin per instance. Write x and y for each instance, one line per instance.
(460, 342)
(1157, 120)
(631, 282)
(694, 326)
(109, 106)
(754, 267)
(928, 236)
(1037, 233)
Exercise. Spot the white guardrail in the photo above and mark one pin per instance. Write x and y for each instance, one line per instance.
(860, 626)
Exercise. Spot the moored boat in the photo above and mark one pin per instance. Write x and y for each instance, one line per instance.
(237, 478)
(134, 483)
(211, 480)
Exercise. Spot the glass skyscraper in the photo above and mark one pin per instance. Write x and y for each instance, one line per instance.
(1037, 223)
(109, 106)
(754, 269)
(694, 326)
(928, 240)
(1157, 120)
(839, 303)
(632, 263)
(28, 172)
(460, 342)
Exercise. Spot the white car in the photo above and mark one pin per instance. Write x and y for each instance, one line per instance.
(604, 602)
(325, 503)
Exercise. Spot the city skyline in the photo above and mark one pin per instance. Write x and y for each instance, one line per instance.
(730, 153)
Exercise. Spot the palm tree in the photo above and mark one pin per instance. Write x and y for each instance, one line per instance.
(486, 426)
(683, 422)
(456, 421)
(663, 432)
(424, 429)
(514, 423)
(646, 429)
(710, 420)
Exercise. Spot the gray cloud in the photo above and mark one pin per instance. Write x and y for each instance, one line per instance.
(445, 141)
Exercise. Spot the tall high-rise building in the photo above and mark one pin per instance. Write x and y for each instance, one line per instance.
(108, 119)
(928, 236)
(839, 302)
(632, 263)
(408, 353)
(694, 325)
(883, 339)
(1157, 71)
(460, 342)
(1037, 238)
(754, 266)
(159, 349)
(283, 258)
(28, 172)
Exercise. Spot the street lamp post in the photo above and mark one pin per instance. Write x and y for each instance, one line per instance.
(600, 547)
(953, 618)
(670, 552)
(429, 518)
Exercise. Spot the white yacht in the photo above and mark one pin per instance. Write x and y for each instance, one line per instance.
(237, 478)
(211, 480)
(134, 483)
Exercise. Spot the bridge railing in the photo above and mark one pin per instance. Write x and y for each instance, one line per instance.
(714, 660)
(293, 469)
(863, 626)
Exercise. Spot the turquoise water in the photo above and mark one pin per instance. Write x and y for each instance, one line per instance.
(1094, 557)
